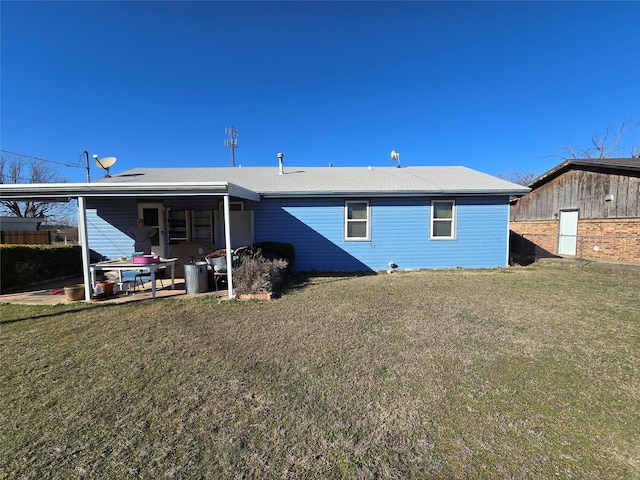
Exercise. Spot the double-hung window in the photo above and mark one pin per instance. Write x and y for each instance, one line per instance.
(443, 220)
(357, 220)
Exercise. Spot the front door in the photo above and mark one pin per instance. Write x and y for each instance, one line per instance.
(151, 213)
(568, 232)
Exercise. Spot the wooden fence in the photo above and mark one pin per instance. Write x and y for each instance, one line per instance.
(26, 238)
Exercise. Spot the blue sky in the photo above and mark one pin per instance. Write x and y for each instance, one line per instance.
(491, 86)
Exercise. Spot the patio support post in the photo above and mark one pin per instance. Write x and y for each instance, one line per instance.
(84, 244)
(227, 241)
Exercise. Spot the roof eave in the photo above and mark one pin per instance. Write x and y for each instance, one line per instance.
(579, 162)
(62, 191)
(387, 194)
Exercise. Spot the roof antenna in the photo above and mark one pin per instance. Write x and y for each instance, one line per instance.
(395, 157)
(232, 143)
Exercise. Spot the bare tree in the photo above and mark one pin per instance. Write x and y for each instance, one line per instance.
(516, 176)
(14, 169)
(602, 146)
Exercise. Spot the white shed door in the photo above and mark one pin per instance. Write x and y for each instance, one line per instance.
(568, 232)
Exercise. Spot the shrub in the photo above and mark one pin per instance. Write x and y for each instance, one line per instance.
(273, 251)
(257, 274)
(27, 264)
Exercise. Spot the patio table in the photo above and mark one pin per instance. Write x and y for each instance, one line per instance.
(128, 266)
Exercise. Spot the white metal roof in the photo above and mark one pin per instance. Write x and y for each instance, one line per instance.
(327, 181)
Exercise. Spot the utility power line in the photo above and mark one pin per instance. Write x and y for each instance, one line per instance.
(44, 159)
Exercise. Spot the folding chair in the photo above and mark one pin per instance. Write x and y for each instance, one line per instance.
(219, 265)
(142, 275)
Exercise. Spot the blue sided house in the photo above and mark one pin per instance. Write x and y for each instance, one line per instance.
(336, 218)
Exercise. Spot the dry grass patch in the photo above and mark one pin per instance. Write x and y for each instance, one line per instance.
(524, 373)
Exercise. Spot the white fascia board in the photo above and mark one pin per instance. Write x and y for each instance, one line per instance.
(241, 192)
(108, 189)
(417, 193)
(475, 192)
(349, 194)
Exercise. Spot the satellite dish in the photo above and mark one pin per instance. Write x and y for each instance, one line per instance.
(105, 163)
(395, 157)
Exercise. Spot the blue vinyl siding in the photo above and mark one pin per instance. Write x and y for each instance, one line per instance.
(315, 227)
(107, 224)
(399, 234)
(109, 220)
(481, 235)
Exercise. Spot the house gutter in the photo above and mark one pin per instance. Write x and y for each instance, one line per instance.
(65, 191)
(416, 193)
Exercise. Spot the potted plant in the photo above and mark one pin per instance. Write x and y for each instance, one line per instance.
(75, 292)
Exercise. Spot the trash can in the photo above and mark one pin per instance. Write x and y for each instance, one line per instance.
(196, 277)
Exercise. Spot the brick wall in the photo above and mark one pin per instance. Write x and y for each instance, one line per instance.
(610, 239)
(610, 227)
(542, 233)
(601, 239)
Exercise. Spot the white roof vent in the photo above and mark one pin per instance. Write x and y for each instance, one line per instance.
(280, 163)
(395, 157)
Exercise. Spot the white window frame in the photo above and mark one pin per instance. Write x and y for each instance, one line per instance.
(434, 220)
(348, 220)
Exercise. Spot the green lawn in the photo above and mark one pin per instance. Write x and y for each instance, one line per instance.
(520, 373)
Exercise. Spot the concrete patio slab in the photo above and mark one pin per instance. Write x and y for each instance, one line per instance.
(44, 293)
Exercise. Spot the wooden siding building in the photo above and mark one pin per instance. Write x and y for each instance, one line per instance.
(586, 207)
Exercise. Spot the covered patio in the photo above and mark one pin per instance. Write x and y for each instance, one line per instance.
(108, 191)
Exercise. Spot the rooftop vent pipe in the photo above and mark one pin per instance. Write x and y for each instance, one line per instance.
(280, 165)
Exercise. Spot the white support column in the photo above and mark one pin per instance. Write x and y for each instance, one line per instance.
(227, 241)
(84, 243)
